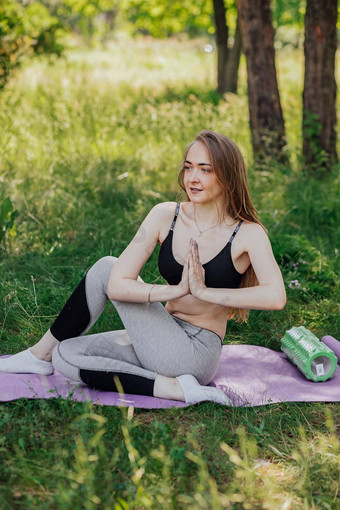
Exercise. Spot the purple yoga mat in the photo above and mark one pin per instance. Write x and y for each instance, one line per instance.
(333, 344)
(248, 374)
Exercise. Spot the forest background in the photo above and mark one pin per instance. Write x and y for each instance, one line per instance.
(97, 101)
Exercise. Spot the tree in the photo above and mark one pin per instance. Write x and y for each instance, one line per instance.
(90, 18)
(266, 119)
(228, 58)
(25, 29)
(163, 18)
(288, 21)
(319, 114)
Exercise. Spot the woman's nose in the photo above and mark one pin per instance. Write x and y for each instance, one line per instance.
(194, 175)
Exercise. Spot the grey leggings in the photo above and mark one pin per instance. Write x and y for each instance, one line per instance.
(153, 341)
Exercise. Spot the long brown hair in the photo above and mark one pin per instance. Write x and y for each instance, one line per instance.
(230, 169)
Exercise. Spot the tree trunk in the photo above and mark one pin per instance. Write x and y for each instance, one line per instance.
(265, 113)
(233, 62)
(319, 114)
(228, 59)
(222, 34)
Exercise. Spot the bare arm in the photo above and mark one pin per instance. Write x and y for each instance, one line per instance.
(123, 284)
(270, 294)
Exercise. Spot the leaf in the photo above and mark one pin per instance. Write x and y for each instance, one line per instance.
(5, 208)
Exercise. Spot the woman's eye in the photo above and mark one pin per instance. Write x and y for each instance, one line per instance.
(204, 170)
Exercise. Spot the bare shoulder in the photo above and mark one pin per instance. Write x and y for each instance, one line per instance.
(157, 217)
(162, 215)
(252, 228)
(253, 233)
(164, 208)
(163, 212)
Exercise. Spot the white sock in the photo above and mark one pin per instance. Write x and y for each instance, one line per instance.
(193, 392)
(25, 363)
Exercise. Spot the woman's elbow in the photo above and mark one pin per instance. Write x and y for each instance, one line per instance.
(280, 300)
(110, 294)
(113, 292)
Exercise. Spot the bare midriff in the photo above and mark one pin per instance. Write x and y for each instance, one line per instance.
(199, 313)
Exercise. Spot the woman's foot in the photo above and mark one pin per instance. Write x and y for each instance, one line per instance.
(25, 363)
(193, 392)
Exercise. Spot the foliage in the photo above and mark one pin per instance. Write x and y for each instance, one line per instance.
(7, 217)
(288, 20)
(34, 27)
(164, 18)
(25, 29)
(87, 17)
(62, 454)
(312, 131)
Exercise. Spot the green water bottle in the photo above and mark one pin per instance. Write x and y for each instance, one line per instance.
(312, 357)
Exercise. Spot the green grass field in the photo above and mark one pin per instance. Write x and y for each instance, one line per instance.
(88, 144)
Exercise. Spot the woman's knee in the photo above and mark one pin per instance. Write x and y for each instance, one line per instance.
(100, 272)
(204, 374)
(105, 263)
(62, 364)
(206, 377)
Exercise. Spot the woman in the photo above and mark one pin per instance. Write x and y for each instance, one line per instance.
(218, 262)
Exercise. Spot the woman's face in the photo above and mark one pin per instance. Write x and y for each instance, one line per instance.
(200, 180)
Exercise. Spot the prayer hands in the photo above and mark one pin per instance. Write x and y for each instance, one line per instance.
(196, 271)
(192, 281)
(184, 283)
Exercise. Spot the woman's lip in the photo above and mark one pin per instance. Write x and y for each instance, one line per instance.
(195, 189)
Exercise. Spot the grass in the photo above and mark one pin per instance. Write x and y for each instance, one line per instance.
(88, 144)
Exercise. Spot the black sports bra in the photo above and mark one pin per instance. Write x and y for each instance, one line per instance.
(220, 271)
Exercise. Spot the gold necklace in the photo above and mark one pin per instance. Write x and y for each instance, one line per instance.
(201, 232)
